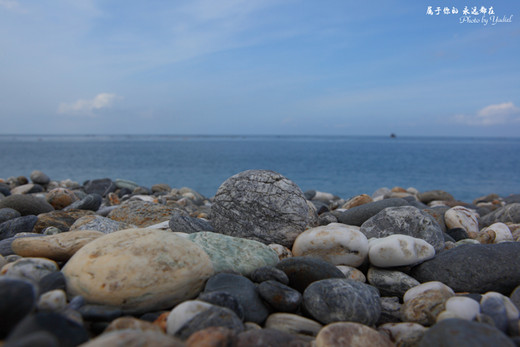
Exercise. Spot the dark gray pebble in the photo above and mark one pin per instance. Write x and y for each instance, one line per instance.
(464, 333)
(101, 186)
(186, 224)
(7, 213)
(17, 299)
(360, 214)
(90, 202)
(458, 234)
(302, 271)
(223, 299)
(67, 332)
(279, 296)
(54, 280)
(341, 299)
(26, 204)
(215, 316)
(103, 313)
(243, 290)
(266, 273)
(18, 225)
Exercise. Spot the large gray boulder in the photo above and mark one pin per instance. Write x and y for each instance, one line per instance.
(261, 205)
(406, 220)
(506, 214)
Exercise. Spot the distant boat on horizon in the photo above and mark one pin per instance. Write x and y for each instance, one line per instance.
(392, 135)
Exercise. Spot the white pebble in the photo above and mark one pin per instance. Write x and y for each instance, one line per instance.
(399, 250)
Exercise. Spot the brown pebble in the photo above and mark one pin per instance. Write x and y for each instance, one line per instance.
(162, 320)
(133, 323)
(350, 334)
(212, 337)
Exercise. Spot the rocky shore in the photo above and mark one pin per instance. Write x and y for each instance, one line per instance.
(112, 263)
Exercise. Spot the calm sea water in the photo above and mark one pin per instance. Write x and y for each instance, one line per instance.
(345, 166)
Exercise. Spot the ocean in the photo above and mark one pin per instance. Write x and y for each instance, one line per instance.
(343, 165)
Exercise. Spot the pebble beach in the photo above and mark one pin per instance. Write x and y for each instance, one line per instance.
(108, 262)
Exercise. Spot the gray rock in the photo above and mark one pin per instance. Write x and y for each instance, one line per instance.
(302, 271)
(243, 290)
(341, 299)
(464, 333)
(4, 189)
(269, 337)
(90, 202)
(429, 196)
(438, 213)
(186, 224)
(360, 214)
(101, 186)
(18, 300)
(223, 299)
(390, 310)
(506, 214)
(214, 316)
(281, 297)
(261, 205)
(39, 177)
(512, 198)
(495, 308)
(99, 223)
(267, 273)
(391, 283)
(406, 220)
(474, 268)
(18, 225)
(100, 312)
(515, 297)
(327, 218)
(26, 204)
(7, 213)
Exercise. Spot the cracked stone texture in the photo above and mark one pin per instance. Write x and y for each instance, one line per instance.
(261, 205)
(340, 299)
(507, 214)
(406, 220)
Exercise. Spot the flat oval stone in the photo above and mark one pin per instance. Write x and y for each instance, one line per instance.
(423, 305)
(39, 177)
(61, 219)
(405, 220)
(463, 307)
(337, 299)
(54, 300)
(213, 316)
(464, 333)
(269, 337)
(138, 270)
(498, 232)
(352, 335)
(233, 254)
(474, 268)
(360, 214)
(59, 247)
(336, 243)
(183, 313)
(60, 198)
(91, 202)
(302, 271)
(261, 205)
(186, 224)
(26, 204)
(405, 333)
(8, 213)
(399, 250)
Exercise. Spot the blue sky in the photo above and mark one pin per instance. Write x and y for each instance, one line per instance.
(258, 67)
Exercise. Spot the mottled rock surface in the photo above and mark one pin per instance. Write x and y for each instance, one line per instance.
(261, 205)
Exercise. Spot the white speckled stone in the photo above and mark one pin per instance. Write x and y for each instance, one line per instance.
(54, 300)
(182, 313)
(352, 273)
(399, 250)
(337, 243)
(460, 307)
(33, 269)
(498, 232)
(282, 251)
(403, 332)
(462, 217)
(139, 270)
(433, 285)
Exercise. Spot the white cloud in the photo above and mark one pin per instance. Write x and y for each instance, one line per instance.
(496, 114)
(88, 107)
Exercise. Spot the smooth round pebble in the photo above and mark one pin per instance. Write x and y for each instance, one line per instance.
(336, 243)
(33, 269)
(337, 299)
(462, 217)
(399, 250)
(352, 273)
(349, 334)
(391, 283)
(131, 337)
(462, 307)
(54, 300)
(266, 273)
(281, 297)
(18, 299)
(293, 324)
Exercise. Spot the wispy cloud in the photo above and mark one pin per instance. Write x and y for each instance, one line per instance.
(88, 107)
(496, 114)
